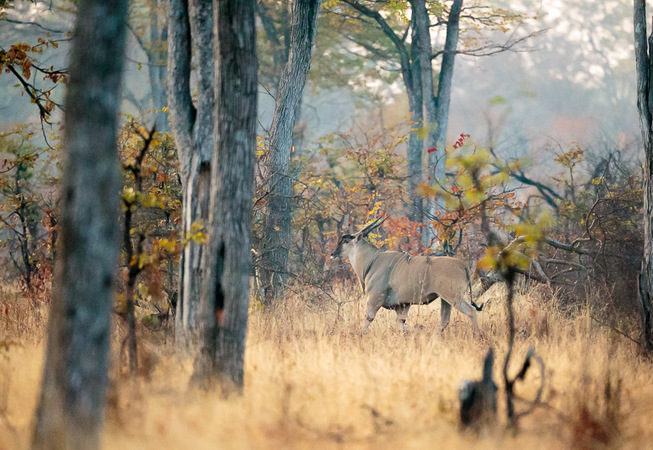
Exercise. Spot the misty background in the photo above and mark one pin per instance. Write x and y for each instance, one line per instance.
(573, 82)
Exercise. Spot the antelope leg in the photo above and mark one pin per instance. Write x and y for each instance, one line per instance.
(373, 306)
(402, 315)
(445, 314)
(470, 312)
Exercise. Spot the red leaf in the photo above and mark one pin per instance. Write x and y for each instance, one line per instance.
(432, 149)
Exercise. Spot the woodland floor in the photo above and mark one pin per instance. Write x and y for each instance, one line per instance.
(313, 381)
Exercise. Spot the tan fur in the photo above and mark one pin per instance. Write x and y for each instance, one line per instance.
(396, 280)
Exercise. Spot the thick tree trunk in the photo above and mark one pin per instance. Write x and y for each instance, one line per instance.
(225, 298)
(71, 407)
(191, 27)
(644, 68)
(276, 245)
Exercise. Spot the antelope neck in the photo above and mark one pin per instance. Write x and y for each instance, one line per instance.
(361, 257)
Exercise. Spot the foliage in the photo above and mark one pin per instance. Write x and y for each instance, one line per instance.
(22, 61)
(151, 206)
(462, 200)
(353, 50)
(27, 208)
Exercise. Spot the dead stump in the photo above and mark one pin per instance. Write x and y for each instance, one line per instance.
(478, 399)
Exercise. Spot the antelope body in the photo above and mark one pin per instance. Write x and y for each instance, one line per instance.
(397, 280)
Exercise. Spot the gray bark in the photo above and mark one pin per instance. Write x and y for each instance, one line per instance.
(71, 406)
(276, 243)
(225, 294)
(409, 64)
(191, 26)
(437, 110)
(416, 93)
(425, 69)
(279, 47)
(445, 79)
(157, 69)
(644, 69)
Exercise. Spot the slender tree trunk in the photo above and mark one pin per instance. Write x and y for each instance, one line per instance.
(644, 68)
(225, 294)
(191, 26)
(410, 66)
(437, 110)
(157, 68)
(279, 49)
(71, 407)
(303, 27)
(415, 145)
(445, 79)
(426, 71)
(415, 92)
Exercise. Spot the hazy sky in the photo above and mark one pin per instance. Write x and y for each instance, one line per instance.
(576, 84)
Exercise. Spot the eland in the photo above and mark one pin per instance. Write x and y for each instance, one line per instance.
(396, 280)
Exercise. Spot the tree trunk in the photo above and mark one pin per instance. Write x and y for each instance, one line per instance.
(71, 407)
(276, 245)
(225, 294)
(157, 68)
(415, 144)
(445, 79)
(425, 69)
(409, 63)
(644, 68)
(415, 92)
(437, 111)
(279, 48)
(191, 27)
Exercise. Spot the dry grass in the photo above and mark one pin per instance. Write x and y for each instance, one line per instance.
(312, 380)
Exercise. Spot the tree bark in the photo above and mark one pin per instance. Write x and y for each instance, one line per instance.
(409, 63)
(424, 68)
(276, 246)
(71, 406)
(225, 294)
(644, 69)
(436, 108)
(273, 34)
(445, 80)
(191, 26)
(416, 94)
(157, 69)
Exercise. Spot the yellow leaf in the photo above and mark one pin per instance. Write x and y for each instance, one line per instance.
(425, 190)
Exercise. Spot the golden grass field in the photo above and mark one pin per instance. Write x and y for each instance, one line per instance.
(313, 381)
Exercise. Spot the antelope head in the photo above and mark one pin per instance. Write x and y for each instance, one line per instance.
(348, 242)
